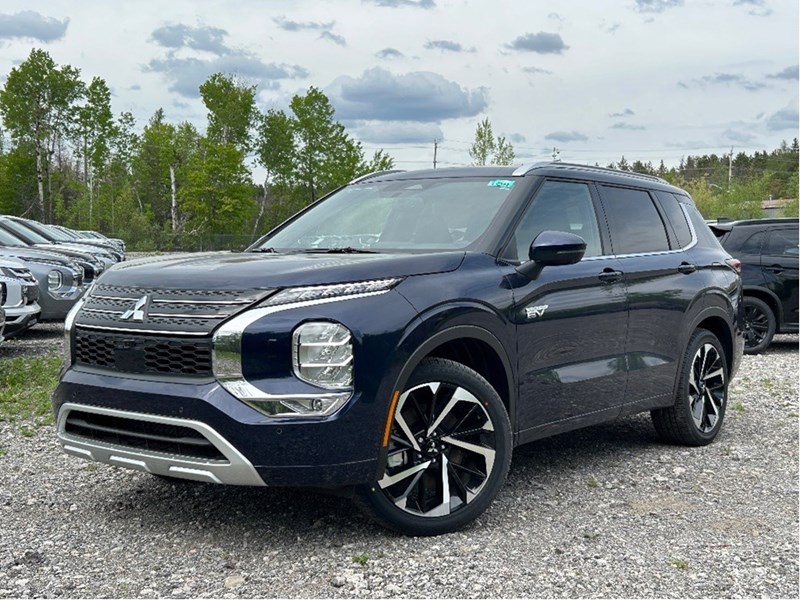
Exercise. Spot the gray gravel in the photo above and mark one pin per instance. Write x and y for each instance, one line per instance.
(603, 512)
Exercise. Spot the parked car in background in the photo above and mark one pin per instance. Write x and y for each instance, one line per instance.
(71, 236)
(22, 236)
(107, 257)
(2, 312)
(94, 234)
(21, 294)
(401, 336)
(768, 251)
(60, 279)
(94, 238)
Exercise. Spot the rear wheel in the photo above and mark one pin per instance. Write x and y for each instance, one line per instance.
(448, 455)
(759, 325)
(701, 394)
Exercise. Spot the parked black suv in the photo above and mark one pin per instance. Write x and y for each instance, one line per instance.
(401, 336)
(768, 251)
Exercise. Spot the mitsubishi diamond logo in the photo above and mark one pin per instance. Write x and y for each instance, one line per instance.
(136, 313)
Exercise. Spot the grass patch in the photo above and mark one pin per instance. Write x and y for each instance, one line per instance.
(739, 407)
(679, 564)
(26, 384)
(361, 558)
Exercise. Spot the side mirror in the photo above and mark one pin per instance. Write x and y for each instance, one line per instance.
(552, 248)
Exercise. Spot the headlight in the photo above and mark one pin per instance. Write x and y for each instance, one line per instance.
(54, 280)
(319, 292)
(322, 354)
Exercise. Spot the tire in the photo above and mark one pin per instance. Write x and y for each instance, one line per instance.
(759, 325)
(701, 394)
(449, 452)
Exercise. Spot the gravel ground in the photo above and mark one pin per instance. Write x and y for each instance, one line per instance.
(603, 512)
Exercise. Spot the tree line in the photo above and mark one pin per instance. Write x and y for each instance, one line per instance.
(70, 160)
(65, 157)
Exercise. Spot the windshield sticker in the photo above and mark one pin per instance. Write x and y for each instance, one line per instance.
(505, 184)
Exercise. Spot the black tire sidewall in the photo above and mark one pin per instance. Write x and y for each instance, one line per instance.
(447, 371)
(771, 321)
(682, 403)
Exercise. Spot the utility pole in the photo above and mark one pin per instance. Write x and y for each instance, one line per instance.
(435, 148)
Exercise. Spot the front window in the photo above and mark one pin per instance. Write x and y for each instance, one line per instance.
(406, 215)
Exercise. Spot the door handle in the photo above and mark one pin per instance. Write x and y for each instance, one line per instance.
(775, 269)
(687, 268)
(609, 275)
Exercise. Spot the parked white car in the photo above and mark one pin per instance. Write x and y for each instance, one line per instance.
(20, 304)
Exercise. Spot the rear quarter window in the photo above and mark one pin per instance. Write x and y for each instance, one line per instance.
(676, 218)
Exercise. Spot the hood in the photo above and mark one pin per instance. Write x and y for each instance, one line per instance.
(240, 271)
(14, 263)
(66, 251)
(25, 253)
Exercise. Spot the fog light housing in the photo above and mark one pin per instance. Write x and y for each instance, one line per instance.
(322, 354)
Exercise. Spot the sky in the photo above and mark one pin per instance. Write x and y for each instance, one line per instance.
(585, 80)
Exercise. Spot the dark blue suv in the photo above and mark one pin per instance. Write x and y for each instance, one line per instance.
(400, 337)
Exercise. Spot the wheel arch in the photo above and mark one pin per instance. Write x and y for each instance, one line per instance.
(771, 300)
(715, 322)
(474, 347)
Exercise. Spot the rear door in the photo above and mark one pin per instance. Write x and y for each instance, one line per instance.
(661, 281)
(779, 261)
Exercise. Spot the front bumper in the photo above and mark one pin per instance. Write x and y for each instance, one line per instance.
(254, 449)
(20, 319)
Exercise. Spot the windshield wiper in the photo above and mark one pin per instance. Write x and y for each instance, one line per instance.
(343, 250)
(267, 250)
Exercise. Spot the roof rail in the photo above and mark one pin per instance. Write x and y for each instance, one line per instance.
(374, 174)
(525, 169)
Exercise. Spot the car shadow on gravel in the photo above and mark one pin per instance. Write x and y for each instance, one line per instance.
(284, 514)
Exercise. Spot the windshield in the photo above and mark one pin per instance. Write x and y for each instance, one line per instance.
(407, 215)
(9, 239)
(25, 233)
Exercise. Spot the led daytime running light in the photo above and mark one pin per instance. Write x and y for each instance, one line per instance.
(319, 292)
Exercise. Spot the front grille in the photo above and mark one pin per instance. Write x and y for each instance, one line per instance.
(174, 440)
(164, 311)
(144, 354)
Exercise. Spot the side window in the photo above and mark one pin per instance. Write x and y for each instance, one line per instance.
(752, 245)
(705, 237)
(782, 242)
(558, 206)
(677, 219)
(635, 223)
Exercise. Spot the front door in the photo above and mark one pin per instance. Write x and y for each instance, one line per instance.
(571, 320)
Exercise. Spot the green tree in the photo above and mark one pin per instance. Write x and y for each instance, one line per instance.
(231, 110)
(326, 157)
(486, 149)
(217, 195)
(95, 131)
(37, 104)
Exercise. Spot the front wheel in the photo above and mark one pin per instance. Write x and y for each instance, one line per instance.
(448, 454)
(701, 394)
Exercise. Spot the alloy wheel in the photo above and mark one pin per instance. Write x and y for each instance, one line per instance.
(442, 450)
(707, 387)
(756, 326)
